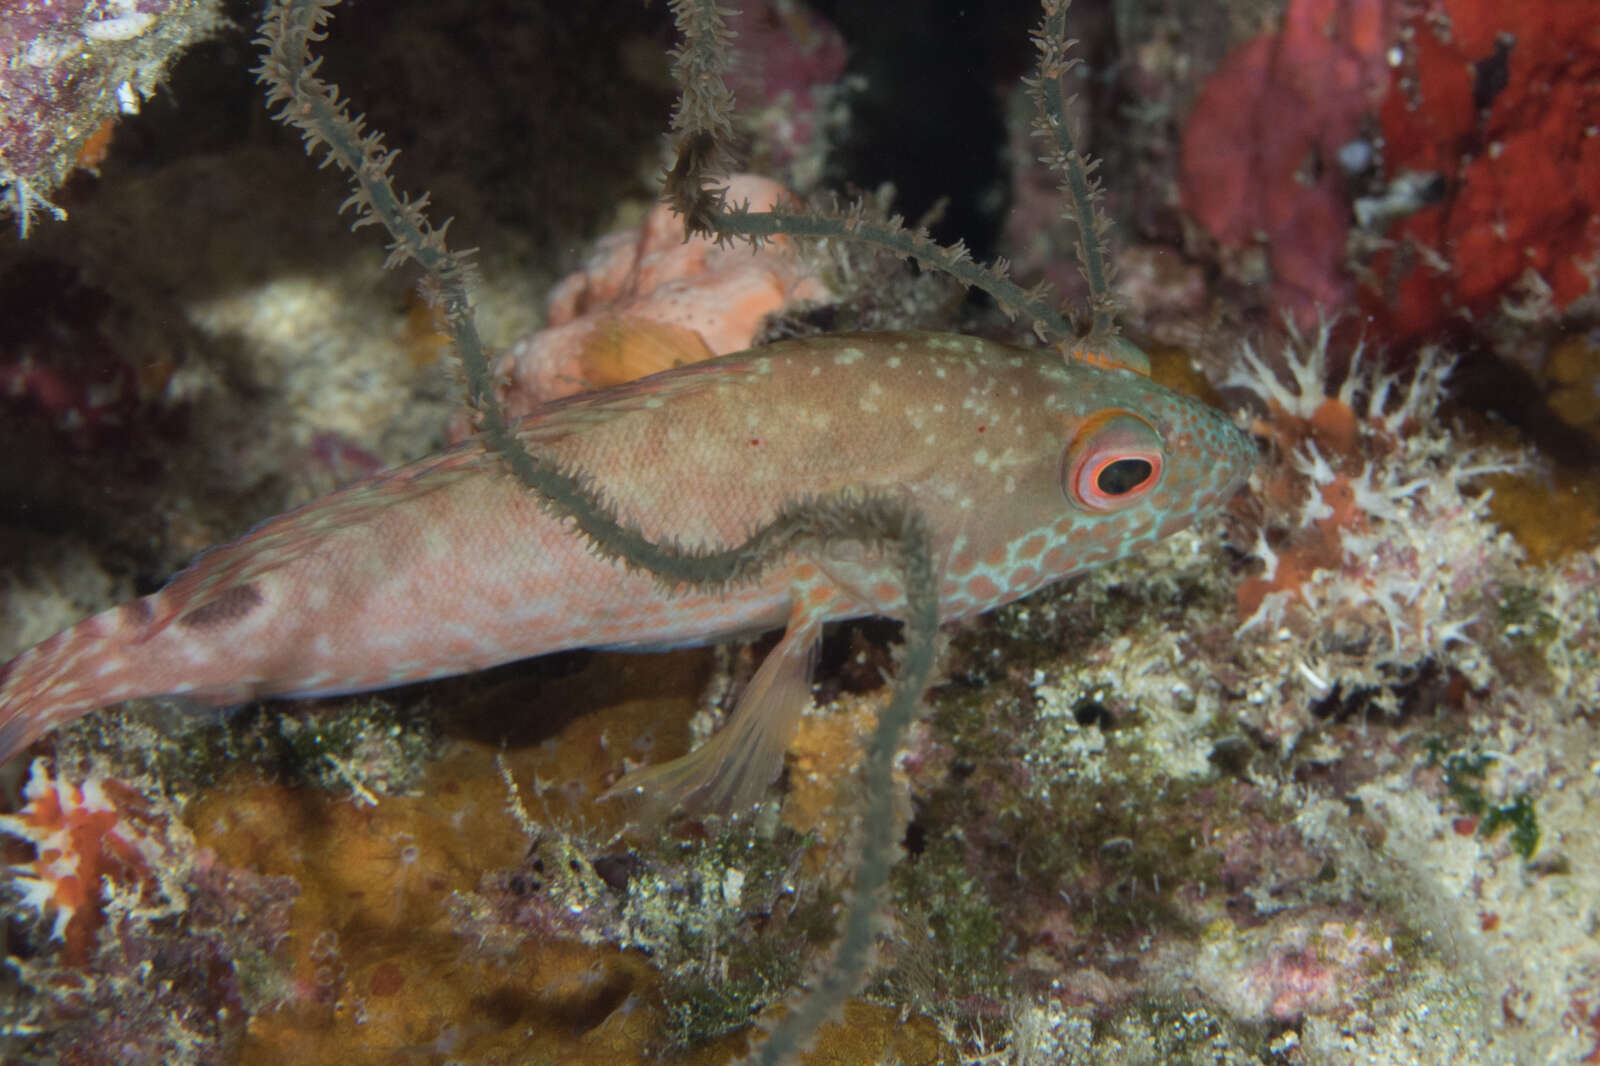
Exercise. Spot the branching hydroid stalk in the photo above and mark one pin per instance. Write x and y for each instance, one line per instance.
(1077, 171)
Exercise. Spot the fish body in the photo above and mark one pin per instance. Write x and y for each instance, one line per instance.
(1026, 466)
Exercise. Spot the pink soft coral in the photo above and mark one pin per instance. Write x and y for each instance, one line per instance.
(648, 300)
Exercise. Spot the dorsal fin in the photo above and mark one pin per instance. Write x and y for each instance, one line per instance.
(1112, 353)
(561, 418)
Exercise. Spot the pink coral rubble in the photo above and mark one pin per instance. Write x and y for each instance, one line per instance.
(1295, 966)
(649, 300)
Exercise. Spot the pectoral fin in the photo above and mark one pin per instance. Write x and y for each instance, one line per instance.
(731, 772)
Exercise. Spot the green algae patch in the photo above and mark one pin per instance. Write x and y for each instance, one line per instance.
(1463, 775)
(1179, 1032)
(956, 944)
(1524, 619)
(750, 954)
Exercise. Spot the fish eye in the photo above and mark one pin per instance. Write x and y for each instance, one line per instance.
(1121, 476)
(1115, 460)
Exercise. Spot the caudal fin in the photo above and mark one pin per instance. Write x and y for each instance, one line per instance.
(69, 675)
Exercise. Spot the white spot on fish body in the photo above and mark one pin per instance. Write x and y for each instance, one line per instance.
(436, 544)
(196, 654)
(462, 630)
(848, 356)
(894, 360)
(977, 403)
(322, 645)
(815, 419)
(380, 640)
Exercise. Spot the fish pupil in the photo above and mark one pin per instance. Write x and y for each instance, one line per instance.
(1123, 476)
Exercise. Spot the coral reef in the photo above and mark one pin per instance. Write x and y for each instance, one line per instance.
(1315, 790)
(1375, 550)
(67, 71)
(1440, 155)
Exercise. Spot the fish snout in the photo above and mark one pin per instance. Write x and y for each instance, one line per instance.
(1206, 452)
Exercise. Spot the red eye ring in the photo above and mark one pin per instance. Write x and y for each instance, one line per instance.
(1115, 461)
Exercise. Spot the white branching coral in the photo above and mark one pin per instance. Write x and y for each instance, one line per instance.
(1365, 391)
(1378, 553)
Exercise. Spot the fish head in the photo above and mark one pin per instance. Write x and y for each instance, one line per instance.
(1104, 463)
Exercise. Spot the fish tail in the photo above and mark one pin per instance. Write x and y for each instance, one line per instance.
(74, 672)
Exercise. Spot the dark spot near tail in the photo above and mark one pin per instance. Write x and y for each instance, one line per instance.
(137, 612)
(228, 607)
